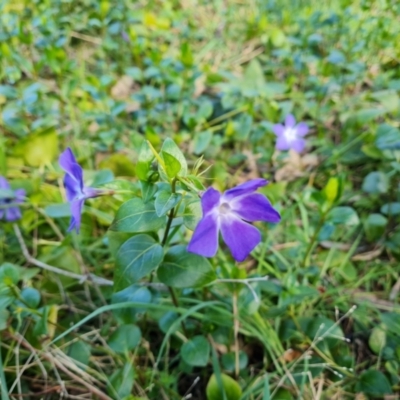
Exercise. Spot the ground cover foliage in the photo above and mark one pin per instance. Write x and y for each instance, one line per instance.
(213, 78)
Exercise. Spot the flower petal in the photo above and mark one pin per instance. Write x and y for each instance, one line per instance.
(255, 207)
(205, 237)
(20, 195)
(278, 129)
(12, 214)
(240, 236)
(298, 145)
(76, 210)
(4, 183)
(282, 144)
(70, 166)
(245, 188)
(72, 187)
(290, 121)
(301, 129)
(210, 200)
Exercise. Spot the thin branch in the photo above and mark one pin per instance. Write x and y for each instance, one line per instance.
(82, 278)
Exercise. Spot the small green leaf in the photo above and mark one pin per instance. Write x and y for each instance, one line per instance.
(60, 210)
(343, 215)
(377, 339)
(232, 389)
(373, 383)
(143, 166)
(31, 297)
(170, 147)
(228, 361)
(121, 381)
(4, 315)
(135, 216)
(172, 165)
(80, 351)
(387, 137)
(376, 183)
(201, 141)
(196, 351)
(183, 269)
(391, 208)
(374, 226)
(165, 201)
(136, 258)
(148, 190)
(125, 338)
(192, 214)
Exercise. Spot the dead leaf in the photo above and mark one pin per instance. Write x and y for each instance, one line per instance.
(296, 166)
(122, 89)
(291, 355)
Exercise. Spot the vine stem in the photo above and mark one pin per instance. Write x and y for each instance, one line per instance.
(171, 216)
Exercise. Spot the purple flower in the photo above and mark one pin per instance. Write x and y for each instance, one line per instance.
(229, 212)
(290, 135)
(77, 192)
(8, 210)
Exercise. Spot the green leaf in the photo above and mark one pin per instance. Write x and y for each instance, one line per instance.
(143, 166)
(80, 351)
(228, 361)
(183, 269)
(391, 208)
(376, 183)
(196, 351)
(232, 389)
(169, 147)
(165, 201)
(121, 382)
(9, 274)
(343, 215)
(40, 149)
(374, 226)
(148, 190)
(135, 294)
(192, 214)
(136, 258)
(60, 210)
(373, 383)
(377, 339)
(387, 137)
(125, 338)
(388, 98)
(4, 315)
(172, 165)
(31, 297)
(136, 216)
(201, 141)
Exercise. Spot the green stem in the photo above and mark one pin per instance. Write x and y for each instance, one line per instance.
(163, 242)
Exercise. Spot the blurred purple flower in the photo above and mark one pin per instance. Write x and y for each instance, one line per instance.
(229, 213)
(77, 192)
(290, 135)
(8, 200)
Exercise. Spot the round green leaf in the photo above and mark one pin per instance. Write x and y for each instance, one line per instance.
(196, 351)
(136, 216)
(183, 269)
(374, 383)
(343, 215)
(136, 258)
(376, 182)
(125, 338)
(228, 361)
(232, 389)
(165, 201)
(377, 339)
(31, 297)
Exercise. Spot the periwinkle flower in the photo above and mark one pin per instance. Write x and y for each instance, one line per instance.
(231, 213)
(77, 192)
(290, 135)
(8, 200)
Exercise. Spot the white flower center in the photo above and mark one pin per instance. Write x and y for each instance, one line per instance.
(290, 134)
(224, 208)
